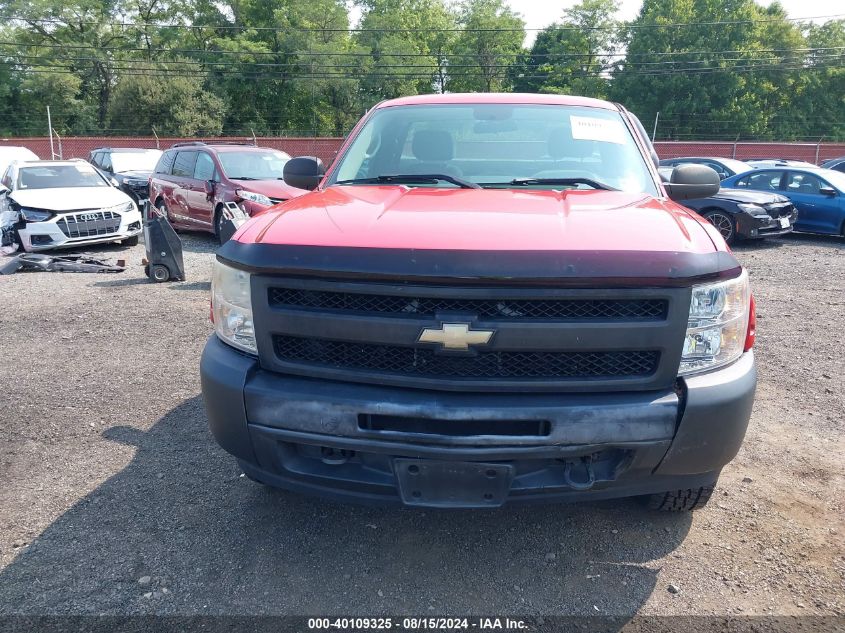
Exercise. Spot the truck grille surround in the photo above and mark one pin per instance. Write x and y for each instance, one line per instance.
(544, 339)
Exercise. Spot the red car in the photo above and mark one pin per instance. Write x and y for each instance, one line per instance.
(488, 298)
(192, 182)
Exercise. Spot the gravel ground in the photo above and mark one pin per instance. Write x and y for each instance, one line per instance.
(116, 500)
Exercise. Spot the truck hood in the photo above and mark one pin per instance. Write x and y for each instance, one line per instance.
(474, 220)
(571, 237)
(70, 198)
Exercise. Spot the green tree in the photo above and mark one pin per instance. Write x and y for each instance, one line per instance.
(574, 56)
(408, 42)
(486, 48)
(171, 104)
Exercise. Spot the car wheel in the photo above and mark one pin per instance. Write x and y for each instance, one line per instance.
(218, 224)
(681, 500)
(724, 223)
(162, 210)
(131, 241)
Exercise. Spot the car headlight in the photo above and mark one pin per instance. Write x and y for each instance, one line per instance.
(231, 307)
(124, 207)
(35, 215)
(260, 198)
(718, 325)
(753, 209)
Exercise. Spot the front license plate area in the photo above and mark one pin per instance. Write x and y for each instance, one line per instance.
(784, 222)
(438, 484)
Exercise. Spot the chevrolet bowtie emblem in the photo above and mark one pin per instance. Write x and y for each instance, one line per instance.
(455, 336)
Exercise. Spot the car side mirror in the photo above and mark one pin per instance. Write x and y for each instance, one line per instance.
(304, 172)
(689, 182)
(114, 183)
(828, 191)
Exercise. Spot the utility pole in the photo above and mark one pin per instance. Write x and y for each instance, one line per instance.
(654, 131)
(50, 130)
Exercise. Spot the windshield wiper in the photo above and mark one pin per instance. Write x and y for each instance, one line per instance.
(410, 178)
(522, 182)
(242, 178)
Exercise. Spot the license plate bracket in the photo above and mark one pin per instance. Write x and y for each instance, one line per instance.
(439, 484)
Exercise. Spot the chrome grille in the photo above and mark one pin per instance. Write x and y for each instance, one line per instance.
(89, 223)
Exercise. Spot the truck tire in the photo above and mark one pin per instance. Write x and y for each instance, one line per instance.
(681, 500)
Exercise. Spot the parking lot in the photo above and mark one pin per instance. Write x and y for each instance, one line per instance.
(117, 500)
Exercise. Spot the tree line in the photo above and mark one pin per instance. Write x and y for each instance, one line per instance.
(712, 69)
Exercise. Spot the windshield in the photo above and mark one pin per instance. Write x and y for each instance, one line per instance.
(254, 164)
(134, 161)
(835, 178)
(55, 176)
(492, 145)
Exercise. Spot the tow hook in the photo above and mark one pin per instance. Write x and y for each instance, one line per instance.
(580, 485)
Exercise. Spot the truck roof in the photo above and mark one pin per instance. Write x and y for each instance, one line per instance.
(498, 98)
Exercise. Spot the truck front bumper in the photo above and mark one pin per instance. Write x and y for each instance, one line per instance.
(428, 448)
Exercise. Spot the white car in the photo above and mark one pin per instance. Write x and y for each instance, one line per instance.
(10, 153)
(64, 203)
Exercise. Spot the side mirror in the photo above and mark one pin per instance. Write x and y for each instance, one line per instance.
(689, 182)
(114, 183)
(209, 187)
(304, 172)
(828, 191)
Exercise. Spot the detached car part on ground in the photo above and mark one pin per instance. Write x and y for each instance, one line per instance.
(745, 214)
(435, 325)
(59, 204)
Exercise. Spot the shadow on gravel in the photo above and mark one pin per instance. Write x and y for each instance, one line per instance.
(181, 514)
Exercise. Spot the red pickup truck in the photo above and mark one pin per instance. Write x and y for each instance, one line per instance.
(488, 298)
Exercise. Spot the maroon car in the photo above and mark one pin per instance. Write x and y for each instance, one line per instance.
(193, 181)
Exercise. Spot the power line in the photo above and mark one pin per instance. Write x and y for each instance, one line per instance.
(158, 25)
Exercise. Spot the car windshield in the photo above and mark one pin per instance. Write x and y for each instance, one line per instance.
(835, 178)
(736, 166)
(494, 146)
(134, 161)
(253, 164)
(55, 176)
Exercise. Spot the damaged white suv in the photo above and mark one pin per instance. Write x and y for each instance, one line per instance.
(62, 203)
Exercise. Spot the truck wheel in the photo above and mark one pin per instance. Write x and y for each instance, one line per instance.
(724, 223)
(131, 241)
(160, 273)
(681, 500)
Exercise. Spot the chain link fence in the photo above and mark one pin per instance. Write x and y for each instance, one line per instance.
(326, 148)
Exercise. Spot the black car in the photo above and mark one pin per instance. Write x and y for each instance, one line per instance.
(835, 163)
(725, 167)
(740, 213)
(131, 167)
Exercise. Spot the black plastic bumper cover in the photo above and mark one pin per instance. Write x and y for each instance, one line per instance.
(306, 434)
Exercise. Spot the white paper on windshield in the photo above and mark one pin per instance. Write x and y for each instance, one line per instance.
(585, 128)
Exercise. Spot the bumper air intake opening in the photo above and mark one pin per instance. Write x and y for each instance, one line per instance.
(453, 428)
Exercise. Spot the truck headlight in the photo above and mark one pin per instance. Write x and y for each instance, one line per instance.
(231, 307)
(717, 325)
(259, 198)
